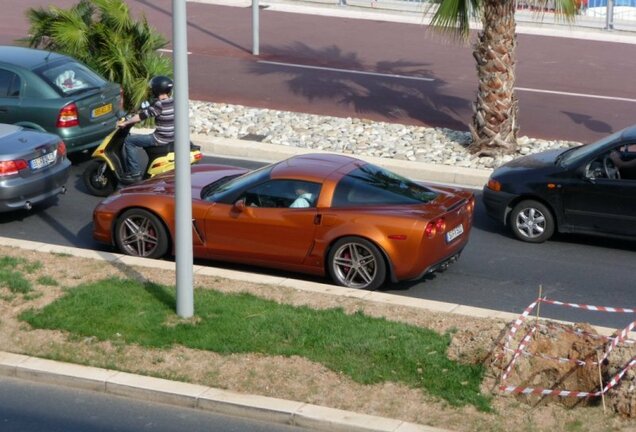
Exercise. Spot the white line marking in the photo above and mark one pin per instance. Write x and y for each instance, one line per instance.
(575, 94)
(169, 50)
(346, 71)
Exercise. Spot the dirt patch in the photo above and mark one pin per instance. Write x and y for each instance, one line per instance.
(475, 340)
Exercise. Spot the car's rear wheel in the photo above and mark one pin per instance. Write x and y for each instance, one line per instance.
(98, 178)
(140, 233)
(532, 221)
(355, 262)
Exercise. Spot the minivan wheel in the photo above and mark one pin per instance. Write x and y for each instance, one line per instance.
(532, 221)
(355, 262)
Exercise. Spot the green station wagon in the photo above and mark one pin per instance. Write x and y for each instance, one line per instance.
(50, 92)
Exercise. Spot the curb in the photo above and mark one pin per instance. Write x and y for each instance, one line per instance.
(265, 152)
(213, 399)
(188, 395)
(461, 176)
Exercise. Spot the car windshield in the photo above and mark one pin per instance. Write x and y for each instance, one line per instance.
(373, 185)
(226, 186)
(574, 155)
(70, 77)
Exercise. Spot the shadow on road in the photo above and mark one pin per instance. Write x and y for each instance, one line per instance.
(390, 97)
(589, 122)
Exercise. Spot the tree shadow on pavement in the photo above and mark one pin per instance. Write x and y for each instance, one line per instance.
(589, 122)
(405, 90)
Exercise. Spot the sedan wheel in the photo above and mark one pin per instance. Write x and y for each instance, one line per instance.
(140, 233)
(532, 221)
(356, 263)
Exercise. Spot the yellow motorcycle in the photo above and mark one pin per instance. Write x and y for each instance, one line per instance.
(106, 168)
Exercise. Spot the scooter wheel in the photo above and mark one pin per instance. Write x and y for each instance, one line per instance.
(98, 183)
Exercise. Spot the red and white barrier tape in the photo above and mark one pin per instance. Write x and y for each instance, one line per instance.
(614, 341)
(580, 332)
(518, 351)
(588, 307)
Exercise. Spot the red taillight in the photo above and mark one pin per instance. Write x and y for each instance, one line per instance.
(68, 116)
(12, 167)
(198, 156)
(61, 148)
(435, 226)
(470, 207)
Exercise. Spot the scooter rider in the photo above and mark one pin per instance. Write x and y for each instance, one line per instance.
(162, 109)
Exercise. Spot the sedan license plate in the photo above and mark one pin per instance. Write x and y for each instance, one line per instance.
(102, 110)
(43, 161)
(454, 233)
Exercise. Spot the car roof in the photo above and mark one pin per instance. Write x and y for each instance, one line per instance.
(311, 167)
(8, 129)
(629, 133)
(27, 58)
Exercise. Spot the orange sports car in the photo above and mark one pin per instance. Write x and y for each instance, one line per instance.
(321, 214)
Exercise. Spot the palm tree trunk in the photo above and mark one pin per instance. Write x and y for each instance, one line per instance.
(494, 128)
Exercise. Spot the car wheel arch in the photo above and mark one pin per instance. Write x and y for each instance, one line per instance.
(385, 256)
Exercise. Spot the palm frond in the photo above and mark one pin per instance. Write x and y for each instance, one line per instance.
(453, 17)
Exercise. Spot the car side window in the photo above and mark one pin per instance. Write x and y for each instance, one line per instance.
(9, 84)
(282, 194)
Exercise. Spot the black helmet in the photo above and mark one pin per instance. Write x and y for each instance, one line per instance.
(160, 85)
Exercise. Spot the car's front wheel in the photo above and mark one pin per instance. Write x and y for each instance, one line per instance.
(355, 262)
(140, 233)
(532, 221)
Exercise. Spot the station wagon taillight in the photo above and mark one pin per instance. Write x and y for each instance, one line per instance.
(12, 167)
(68, 116)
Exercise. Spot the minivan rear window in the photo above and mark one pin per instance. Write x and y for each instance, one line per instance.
(70, 77)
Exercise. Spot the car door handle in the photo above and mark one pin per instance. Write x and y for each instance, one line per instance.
(317, 219)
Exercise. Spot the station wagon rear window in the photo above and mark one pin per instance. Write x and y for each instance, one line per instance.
(70, 77)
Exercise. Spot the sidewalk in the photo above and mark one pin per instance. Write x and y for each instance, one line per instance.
(586, 28)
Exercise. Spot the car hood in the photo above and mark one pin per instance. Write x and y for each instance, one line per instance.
(543, 161)
(202, 175)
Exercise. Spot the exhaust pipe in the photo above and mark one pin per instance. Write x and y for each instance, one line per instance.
(28, 205)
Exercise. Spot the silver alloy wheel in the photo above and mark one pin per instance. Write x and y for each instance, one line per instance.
(530, 223)
(354, 265)
(138, 236)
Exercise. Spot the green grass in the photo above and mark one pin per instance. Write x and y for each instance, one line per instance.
(12, 279)
(47, 280)
(369, 350)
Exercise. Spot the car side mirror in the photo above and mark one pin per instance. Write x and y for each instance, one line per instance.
(239, 205)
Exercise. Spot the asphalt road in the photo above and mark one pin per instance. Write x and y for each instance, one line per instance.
(567, 88)
(495, 270)
(34, 407)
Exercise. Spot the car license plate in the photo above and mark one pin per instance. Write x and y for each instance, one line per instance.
(454, 233)
(43, 161)
(100, 111)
